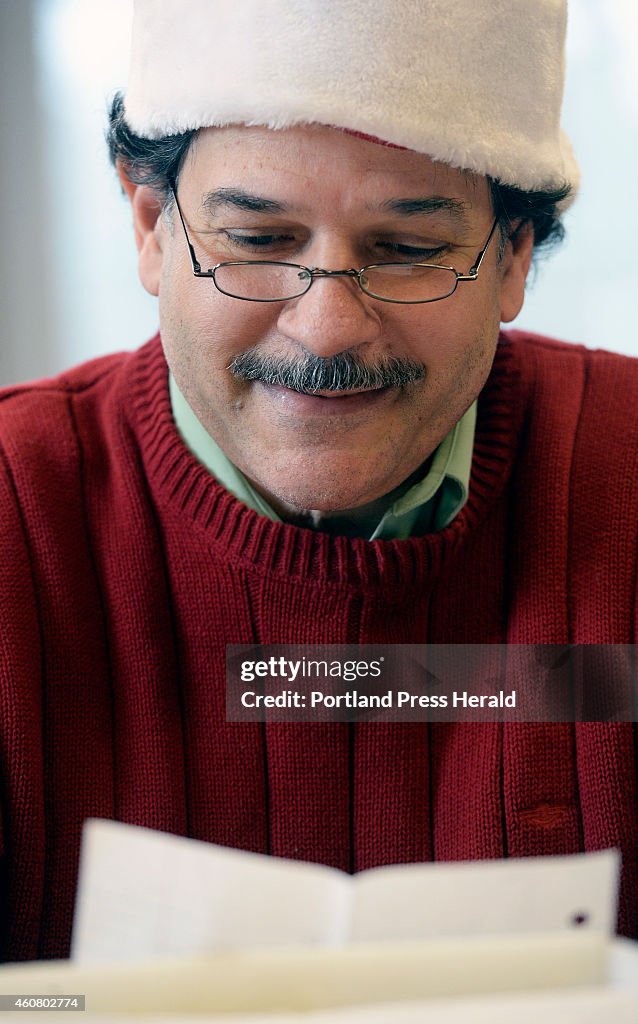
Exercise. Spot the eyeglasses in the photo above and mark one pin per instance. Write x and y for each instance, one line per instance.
(275, 281)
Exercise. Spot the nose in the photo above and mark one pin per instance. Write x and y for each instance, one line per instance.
(333, 316)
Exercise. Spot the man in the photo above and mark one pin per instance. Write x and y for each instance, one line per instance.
(330, 442)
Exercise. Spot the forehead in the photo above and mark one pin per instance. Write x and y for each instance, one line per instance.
(307, 165)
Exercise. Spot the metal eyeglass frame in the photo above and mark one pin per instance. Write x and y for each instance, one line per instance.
(315, 272)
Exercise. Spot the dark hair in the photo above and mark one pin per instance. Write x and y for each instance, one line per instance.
(538, 208)
(156, 162)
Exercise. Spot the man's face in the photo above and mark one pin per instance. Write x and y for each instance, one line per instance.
(331, 199)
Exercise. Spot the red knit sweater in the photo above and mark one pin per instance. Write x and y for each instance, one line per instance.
(125, 569)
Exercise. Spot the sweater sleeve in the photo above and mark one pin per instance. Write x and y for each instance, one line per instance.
(21, 760)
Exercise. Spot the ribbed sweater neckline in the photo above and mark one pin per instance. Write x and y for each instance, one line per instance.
(177, 480)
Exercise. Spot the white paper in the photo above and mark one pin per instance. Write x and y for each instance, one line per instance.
(624, 964)
(311, 979)
(533, 894)
(144, 893)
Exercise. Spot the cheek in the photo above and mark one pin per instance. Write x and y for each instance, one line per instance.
(457, 348)
(202, 331)
(456, 334)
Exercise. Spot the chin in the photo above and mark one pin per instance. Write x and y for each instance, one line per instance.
(319, 497)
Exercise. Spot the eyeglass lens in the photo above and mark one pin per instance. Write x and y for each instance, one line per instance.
(400, 282)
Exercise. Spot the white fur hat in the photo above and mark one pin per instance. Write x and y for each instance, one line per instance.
(473, 83)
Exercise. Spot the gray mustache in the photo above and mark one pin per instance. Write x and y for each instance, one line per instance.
(342, 372)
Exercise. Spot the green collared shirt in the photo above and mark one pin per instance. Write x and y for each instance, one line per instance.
(425, 506)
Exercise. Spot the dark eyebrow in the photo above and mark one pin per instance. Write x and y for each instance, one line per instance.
(239, 200)
(430, 204)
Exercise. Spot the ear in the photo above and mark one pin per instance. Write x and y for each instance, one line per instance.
(146, 209)
(514, 270)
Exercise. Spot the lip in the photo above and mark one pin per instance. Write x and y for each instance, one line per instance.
(326, 403)
(341, 394)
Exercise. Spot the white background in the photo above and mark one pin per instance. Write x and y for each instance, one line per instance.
(68, 279)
